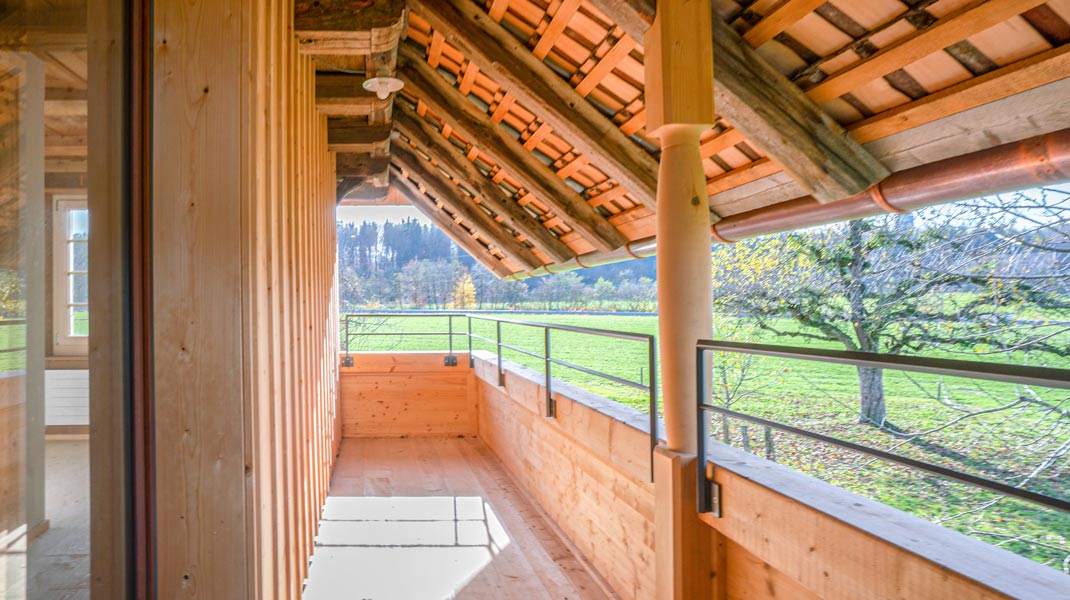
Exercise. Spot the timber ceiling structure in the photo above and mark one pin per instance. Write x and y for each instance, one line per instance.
(55, 31)
(520, 129)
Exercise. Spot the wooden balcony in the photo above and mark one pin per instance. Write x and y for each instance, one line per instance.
(568, 505)
(438, 517)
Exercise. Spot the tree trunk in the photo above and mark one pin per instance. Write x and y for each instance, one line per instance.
(871, 396)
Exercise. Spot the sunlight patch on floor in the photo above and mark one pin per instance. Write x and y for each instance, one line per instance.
(386, 548)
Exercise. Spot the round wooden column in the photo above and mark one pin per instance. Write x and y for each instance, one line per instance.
(679, 96)
(684, 286)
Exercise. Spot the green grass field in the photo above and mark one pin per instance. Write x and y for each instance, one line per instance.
(1006, 444)
(12, 340)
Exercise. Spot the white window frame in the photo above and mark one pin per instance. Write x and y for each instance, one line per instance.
(63, 342)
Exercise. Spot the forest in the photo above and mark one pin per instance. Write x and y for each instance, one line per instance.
(406, 264)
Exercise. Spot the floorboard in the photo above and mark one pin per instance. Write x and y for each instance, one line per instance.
(59, 559)
(432, 518)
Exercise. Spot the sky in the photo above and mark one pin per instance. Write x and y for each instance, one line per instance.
(379, 214)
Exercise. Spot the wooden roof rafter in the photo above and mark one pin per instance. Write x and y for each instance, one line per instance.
(476, 125)
(450, 227)
(450, 194)
(534, 84)
(960, 24)
(343, 95)
(772, 113)
(451, 159)
(550, 147)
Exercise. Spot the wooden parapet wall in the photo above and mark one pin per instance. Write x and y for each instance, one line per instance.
(589, 469)
(407, 395)
(782, 534)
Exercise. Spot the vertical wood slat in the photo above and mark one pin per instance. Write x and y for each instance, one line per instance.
(247, 307)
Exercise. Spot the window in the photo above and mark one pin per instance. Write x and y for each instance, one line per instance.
(70, 261)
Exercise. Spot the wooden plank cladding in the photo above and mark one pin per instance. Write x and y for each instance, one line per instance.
(588, 470)
(406, 394)
(244, 301)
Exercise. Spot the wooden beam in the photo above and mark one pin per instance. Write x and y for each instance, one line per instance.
(633, 16)
(778, 118)
(454, 161)
(66, 108)
(344, 27)
(605, 66)
(954, 27)
(450, 227)
(348, 134)
(449, 194)
(556, 27)
(342, 95)
(535, 85)
(356, 191)
(474, 124)
(1026, 74)
(388, 196)
(65, 181)
(360, 165)
(783, 15)
(65, 145)
(41, 29)
(771, 112)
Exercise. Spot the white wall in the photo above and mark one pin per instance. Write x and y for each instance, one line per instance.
(67, 397)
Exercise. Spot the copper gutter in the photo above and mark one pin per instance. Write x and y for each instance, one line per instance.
(1037, 161)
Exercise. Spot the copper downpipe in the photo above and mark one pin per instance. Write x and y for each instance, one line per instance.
(1034, 162)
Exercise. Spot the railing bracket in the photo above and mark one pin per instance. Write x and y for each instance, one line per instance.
(450, 360)
(347, 361)
(713, 497)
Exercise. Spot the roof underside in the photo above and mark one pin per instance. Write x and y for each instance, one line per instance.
(478, 139)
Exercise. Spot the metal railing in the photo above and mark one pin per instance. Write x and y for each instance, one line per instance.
(12, 323)
(546, 356)
(6, 361)
(1022, 375)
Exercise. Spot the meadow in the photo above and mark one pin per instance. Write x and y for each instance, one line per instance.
(1019, 436)
(12, 342)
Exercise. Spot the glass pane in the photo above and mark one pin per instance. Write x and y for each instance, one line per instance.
(44, 122)
(79, 256)
(79, 288)
(79, 321)
(78, 224)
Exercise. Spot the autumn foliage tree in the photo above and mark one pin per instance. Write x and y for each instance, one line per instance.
(464, 292)
(958, 279)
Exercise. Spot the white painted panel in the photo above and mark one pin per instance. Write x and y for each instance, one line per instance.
(67, 397)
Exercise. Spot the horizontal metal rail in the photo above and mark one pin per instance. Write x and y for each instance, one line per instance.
(1023, 375)
(417, 333)
(546, 356)
(12, 323)
(1039, 376)
(628, 382)
(623, 335)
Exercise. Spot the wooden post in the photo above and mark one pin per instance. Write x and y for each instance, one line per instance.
(679, 95)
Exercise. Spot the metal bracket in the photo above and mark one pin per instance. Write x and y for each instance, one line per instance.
(450, 361)
(713, 496)
(347, 361)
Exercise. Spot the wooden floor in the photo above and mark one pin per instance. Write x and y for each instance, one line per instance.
(431, 518)
(59, 559)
